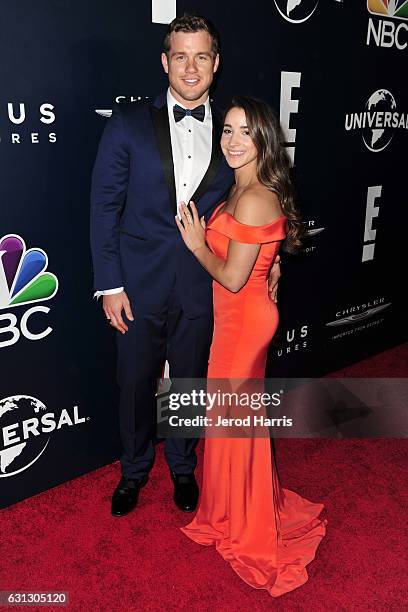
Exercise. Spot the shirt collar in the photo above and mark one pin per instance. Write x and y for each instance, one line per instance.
(171, 101)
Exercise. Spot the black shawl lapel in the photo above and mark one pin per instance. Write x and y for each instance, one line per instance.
(160, 121)
(216, 157)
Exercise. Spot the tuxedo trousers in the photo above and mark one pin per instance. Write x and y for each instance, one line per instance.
(142, 352)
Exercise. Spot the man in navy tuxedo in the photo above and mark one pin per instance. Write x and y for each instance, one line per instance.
(152, 156)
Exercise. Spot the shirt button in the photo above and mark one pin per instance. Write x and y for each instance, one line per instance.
(185, 185)
(189, 130)
(189, 157)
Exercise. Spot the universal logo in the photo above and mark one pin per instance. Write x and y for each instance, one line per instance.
(23, 280)
(25, 119)
(26, 426)
(379, 120)
(358, 313)
(296, 11)
(107, 112)
(384, 32)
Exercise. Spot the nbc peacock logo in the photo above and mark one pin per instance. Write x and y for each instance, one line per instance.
(389, 28)
(398, 9)
(24, 280)
(23, 275)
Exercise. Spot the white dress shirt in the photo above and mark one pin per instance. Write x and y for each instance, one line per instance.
(191, 145)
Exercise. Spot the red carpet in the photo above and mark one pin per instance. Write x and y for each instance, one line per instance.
(65, 539)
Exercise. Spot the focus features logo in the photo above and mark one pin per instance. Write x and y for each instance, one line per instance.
(379, 120)
(26, 427)
(294, 341)
(29, 125)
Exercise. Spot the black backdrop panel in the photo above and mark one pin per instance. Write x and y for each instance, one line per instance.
(63, 64)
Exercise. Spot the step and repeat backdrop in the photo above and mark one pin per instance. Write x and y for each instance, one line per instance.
(335, 73)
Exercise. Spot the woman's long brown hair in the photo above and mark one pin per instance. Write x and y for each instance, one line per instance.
(273, 163)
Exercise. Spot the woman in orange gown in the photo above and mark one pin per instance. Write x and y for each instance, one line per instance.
(267, 533)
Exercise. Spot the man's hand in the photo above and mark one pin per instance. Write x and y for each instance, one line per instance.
(113, 305)
(274, 276)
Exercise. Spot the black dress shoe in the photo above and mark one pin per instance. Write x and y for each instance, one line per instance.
(126, 494)
(185, 491)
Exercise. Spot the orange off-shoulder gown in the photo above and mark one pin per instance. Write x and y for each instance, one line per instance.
(267, 533)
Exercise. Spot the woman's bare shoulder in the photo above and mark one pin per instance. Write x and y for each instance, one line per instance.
(257, 206)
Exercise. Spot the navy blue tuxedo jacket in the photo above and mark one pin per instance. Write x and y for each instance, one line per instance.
(135, 241)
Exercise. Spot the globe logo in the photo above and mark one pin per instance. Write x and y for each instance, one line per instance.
(377, 138)
(25, 425)
(378, 121)
(296, 11)
(16, 454)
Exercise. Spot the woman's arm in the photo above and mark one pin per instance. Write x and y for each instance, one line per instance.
(234, 271)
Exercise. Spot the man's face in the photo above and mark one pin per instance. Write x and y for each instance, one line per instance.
(191, 66)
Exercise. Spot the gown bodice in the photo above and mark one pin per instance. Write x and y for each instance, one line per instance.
(223, 227)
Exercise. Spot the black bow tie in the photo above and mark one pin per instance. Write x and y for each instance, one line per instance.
(198, 112)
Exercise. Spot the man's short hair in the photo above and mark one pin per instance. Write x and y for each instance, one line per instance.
(192, 23)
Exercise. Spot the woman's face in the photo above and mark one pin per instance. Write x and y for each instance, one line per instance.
(236, 143)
